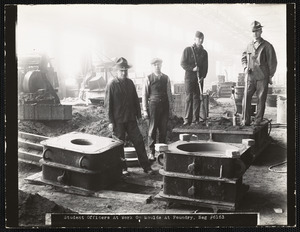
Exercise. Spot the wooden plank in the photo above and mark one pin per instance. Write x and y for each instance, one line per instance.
(213, 131)
(124, 196)
(143, 182)
(215, 205)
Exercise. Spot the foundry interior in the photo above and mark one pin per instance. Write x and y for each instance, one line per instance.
(70, 162)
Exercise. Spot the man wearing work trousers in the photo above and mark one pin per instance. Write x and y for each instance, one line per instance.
(259, 62)
(157, 105)
(194, 61)
(123, 109)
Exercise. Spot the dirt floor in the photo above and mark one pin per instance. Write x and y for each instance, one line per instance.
(267, 194)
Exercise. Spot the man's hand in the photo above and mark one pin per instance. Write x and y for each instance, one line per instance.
(270, 80)
(140, 120)
(145, 116)
(171, 114)
(111, 127)
(201, 80)
(196, 69)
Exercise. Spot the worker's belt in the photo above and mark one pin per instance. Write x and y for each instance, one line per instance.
(158, 98)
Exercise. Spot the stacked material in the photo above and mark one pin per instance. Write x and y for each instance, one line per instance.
(225, 89)
(241, 79)
(179, 104)
(179, 88)
(44, 112)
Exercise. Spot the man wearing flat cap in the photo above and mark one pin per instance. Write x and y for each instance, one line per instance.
(259, 62)
(157, 105)
(123, 109)
(194, 61)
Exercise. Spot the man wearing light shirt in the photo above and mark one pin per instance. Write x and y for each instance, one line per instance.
(157, 105)
(259, 62)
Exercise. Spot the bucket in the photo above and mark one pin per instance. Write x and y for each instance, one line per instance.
(281, 110)
(131, 157)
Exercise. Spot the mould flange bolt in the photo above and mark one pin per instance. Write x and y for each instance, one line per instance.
(184, 137)
(248, 142)
(232, 153)
(161, 147)
(194, 138)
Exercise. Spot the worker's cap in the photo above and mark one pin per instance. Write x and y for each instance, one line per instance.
(122, 64)
(156, 60)
(255, 26)
(199, 35)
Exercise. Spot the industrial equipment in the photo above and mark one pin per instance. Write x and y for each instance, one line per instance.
(37, 87)
(94, 84)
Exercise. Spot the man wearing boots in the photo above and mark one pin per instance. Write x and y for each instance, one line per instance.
(194, 61)
(157, 105)
(259, 62)
(123, 109)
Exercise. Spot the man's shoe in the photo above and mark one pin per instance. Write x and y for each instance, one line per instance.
(151, 157)
(186, 123)
(149, 171)
(195, 123)
(257, 123)
(125, 174)
(243, 123)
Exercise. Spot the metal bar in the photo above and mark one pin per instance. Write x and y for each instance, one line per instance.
(30, 145)
(32, 137)
(205, 178)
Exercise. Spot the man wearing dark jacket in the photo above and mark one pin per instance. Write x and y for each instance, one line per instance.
(259, 62)
(194, 61)
(123, 109)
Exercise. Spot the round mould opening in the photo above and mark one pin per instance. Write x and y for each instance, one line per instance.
(81, 142)
(202, 147)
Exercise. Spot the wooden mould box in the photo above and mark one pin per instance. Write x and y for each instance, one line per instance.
(233, 134)
(207, 173)
(82, 160)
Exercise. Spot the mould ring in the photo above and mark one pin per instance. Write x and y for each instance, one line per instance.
(44, 154)
(160, 158)
(80, 162)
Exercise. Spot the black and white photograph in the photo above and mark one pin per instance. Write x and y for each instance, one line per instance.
(153, 115)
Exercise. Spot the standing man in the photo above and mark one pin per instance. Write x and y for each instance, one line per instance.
(194, 61)
(157, 105)
(259, 62)
(123, 110)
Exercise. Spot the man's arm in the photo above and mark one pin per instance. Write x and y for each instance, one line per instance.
(108, 102)
(272, 60)
(185, 60)
(137, 102)
(204, 66)
(170, 98)
(244, 59)
(145, 97)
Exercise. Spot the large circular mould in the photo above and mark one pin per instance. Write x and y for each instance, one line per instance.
(83, 142)
(203, 147)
